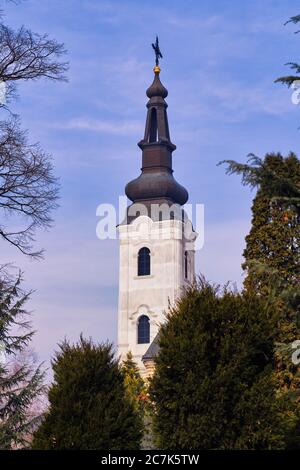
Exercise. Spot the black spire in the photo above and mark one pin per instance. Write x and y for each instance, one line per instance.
(156, 183)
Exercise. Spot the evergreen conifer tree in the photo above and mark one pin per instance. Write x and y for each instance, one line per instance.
(272, 254)
(21, 385)
(137, 391)
(214, 386)
(274, 238)
(89, 406)
(294, 66)
(134, 384)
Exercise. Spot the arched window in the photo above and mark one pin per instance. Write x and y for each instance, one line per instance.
(144, 262)
(153, 136)
(186, 264)
(143, 333)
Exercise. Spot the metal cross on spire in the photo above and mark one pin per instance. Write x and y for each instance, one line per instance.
(158, 54)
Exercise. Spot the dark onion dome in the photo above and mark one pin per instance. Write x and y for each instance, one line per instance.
(156, 181)
(156, 184)
(157, 88)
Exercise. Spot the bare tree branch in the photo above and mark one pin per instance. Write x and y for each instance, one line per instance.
(28, 187)
(26, 56)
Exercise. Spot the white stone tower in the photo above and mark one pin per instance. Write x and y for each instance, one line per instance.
(156, 238)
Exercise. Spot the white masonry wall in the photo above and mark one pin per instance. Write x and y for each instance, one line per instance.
(150, 295)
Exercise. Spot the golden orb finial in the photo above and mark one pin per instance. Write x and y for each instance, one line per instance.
(156, 69)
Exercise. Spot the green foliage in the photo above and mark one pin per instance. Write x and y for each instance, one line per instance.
(274, 174)
(275, 234)
(293, 19)
(273, 240)
(89, 406)
(273, 243)
(290, 79)
(134, 384)
(137, 393)
(19, 386)
(272, 256)
(214, 386)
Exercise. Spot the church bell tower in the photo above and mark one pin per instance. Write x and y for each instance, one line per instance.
(156, 237)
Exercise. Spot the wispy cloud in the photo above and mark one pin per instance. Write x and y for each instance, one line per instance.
(188, 22)
(107, 127)
(230, 101)
(242, 99)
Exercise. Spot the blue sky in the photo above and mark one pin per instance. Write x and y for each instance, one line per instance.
(220, 62)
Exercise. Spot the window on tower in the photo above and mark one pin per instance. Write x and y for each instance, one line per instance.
(143, 333)
(153, 136)
(144, 262)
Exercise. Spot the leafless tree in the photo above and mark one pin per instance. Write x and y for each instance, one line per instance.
(28, 188)
(28, 56)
